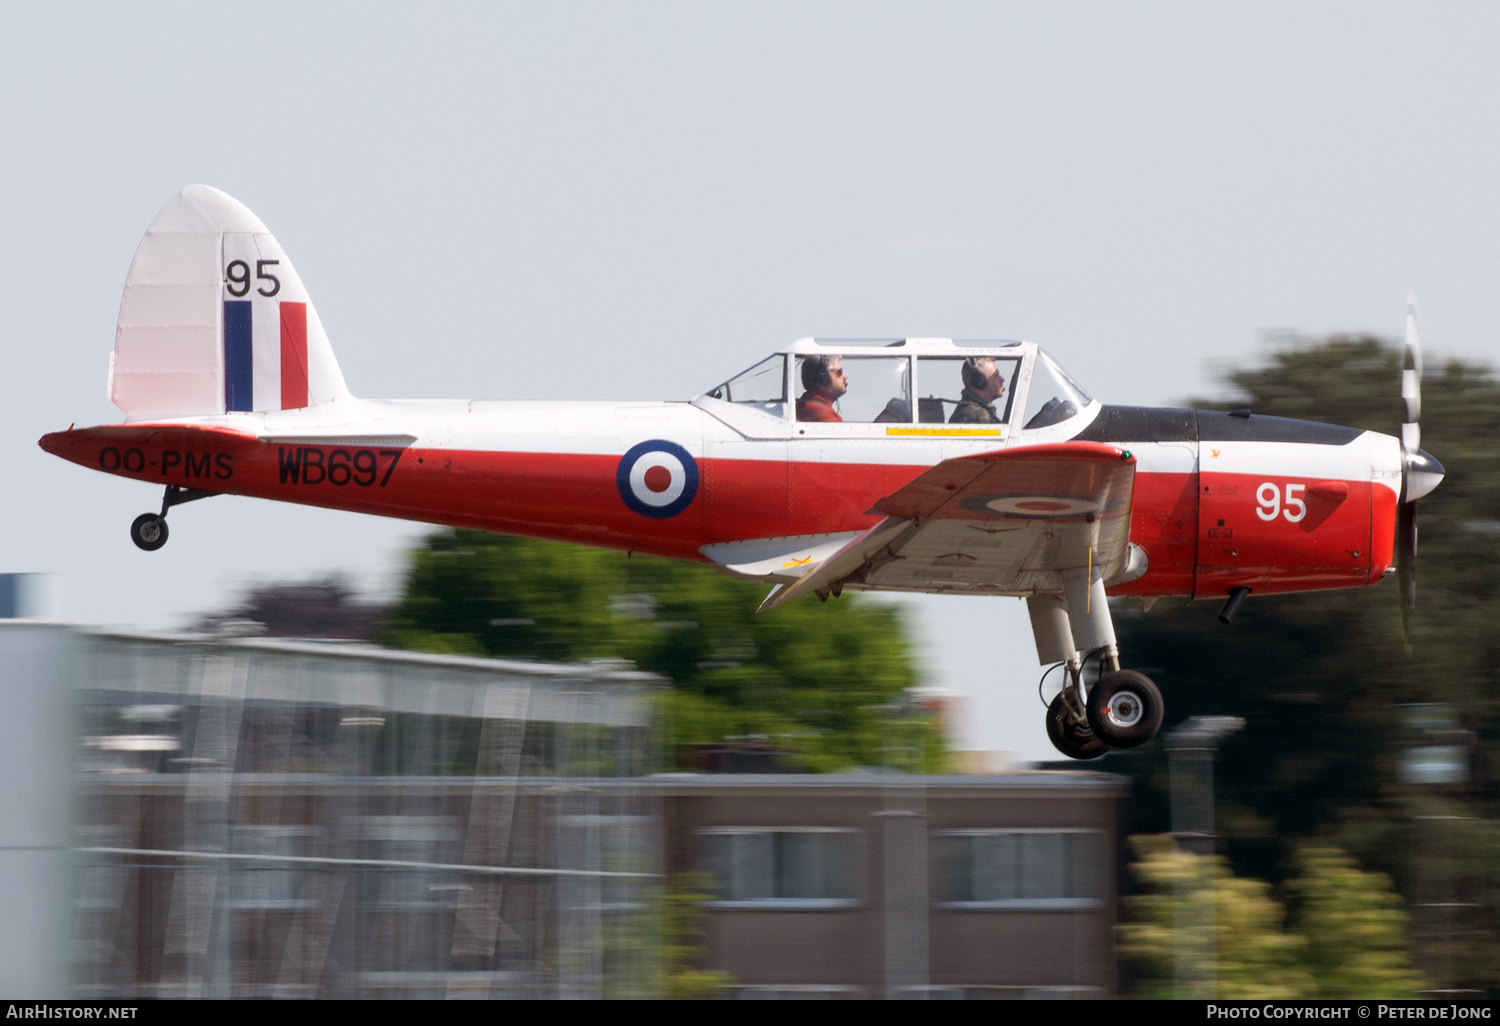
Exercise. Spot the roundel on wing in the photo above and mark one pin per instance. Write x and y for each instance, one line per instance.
(657, 479)
(1037, 507)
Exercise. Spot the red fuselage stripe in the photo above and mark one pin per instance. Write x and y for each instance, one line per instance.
(575, 498)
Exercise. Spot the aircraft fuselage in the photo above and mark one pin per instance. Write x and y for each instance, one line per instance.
(1219, 501)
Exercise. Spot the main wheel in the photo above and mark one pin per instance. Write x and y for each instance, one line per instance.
(149, 531)
(1125, 709)
(1075, 740)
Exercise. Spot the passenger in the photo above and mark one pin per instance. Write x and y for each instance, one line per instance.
(825, 381)
(983, 386)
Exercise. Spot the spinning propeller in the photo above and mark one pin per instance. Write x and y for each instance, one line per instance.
(1420, 472)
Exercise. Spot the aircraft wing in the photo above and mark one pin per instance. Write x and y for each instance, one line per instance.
(777, 559)
(999, 523)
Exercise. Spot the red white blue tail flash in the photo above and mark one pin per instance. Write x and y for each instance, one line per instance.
(215, 319)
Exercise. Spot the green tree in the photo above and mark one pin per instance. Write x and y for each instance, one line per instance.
(1243, 946)
(1346, 939)
(819, 678)
(1355, 927)
(682, 929)
(657, 947)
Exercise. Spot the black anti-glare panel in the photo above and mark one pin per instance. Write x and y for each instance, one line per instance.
(1141, 424)
(1169, 424)
(1214, 426)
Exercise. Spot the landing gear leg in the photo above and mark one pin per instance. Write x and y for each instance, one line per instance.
(1123, 709)
(1068, 726)
(149, 530)
(1067, 722)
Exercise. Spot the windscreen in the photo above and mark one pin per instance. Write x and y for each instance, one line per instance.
(762, 386)
(1054, 397)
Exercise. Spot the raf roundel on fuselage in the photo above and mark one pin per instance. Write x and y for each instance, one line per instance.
(657, 479)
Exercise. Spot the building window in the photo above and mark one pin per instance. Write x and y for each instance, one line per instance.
(270, 886)
(785, 868)
(1023, 869)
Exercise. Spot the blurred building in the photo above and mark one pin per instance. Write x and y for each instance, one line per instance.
(29, 595)
(249, 817)
(222, 816)
(886, 885)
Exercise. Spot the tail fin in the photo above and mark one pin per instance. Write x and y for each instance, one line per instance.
(215, 319)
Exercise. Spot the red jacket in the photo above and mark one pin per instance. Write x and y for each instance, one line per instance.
(818, 407)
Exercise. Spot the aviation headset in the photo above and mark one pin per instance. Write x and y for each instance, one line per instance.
(974, 375)
(815, 371)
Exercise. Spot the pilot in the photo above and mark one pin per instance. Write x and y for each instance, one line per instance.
(825, 381)
(983, 386)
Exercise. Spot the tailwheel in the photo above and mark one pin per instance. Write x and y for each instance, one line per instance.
(1070, 733)
(1125, 709)
(149, 531)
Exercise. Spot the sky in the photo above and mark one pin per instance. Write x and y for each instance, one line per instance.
(636, 201)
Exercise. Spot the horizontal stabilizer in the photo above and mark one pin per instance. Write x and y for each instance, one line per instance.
(172, 454)
(86, 445)
(366, 440)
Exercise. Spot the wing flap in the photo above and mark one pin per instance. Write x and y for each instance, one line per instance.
(776, 559)
(1004, 522)
(857, 553)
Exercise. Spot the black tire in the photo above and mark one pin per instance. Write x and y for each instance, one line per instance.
(1125, 708)
(149, 531)
(1075, 740)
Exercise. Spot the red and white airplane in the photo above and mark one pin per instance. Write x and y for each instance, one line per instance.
(230, 386)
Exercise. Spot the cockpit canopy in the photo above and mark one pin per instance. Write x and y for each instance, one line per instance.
(874, 382)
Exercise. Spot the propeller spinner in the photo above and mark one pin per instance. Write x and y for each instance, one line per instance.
(1420, 472)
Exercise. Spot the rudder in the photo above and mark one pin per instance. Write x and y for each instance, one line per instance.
(215, 319)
